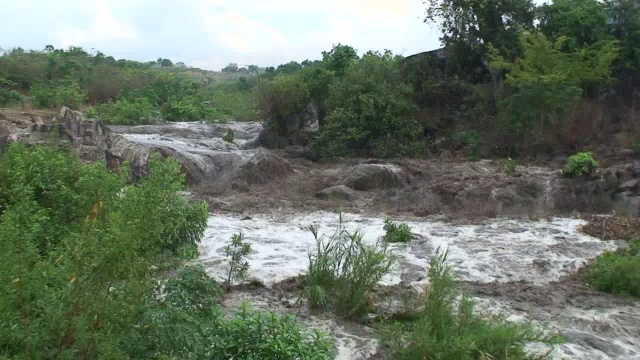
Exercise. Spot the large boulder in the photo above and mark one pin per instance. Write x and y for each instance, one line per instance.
(119, 150)
(627, 203)
(78, 130)
(366, 177)
(263, 168)
(296, 129)
(339, 192)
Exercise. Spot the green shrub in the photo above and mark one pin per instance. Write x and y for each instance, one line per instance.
(343, 272)
(580, 164)
(236, 253)
(228, 136)
(187, 323)
(449, 327)
(281, 98)
(127, 112)
(9, 97)
(617, 274)
(509, 166)
(370, 112)
(54, 94)
(471, 140)
(396, 233)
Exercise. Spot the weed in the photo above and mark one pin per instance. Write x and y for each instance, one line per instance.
(396, 233)
(236, 252)
(509, 166)
(580, 164)
(451, 327)
(228, 136)
(471, 140)
(343, 272)
(617, 273)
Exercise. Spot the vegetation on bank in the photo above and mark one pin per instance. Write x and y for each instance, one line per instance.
(617, 273)
(84, 254)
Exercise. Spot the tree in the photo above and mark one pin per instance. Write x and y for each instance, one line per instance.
(624, 19)
(289, 67)
(339, 58)
(232, 68)
(166, 63)
(468, 26)
(582, 22)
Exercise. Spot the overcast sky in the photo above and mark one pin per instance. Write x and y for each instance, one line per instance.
(212, 33)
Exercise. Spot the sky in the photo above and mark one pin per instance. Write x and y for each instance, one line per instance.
(210, 34)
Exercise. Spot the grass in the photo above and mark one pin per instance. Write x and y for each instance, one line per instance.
(343, 272)
(617, 273)
(448, 326)
(397, 233)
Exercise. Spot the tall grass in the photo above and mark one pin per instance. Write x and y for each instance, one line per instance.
(343, 272)
(449, 327)
(395, 233)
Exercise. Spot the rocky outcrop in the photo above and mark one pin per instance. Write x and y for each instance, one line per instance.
(296, 129)
(119, 150)
(339, 192)
(366, 177)
(263, 168)
(78, 130)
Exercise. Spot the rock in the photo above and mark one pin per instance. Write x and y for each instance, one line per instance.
(626, 153)
(119, 149)
(611, 180)
(78, 130)
(339, 192)
(269, 139)
(89, 153)
(3, 117)
(296, 129)
(37, 120)
(295, 151)
(8, 134)
(626, 204)
(630, 185)
(263, 168)
(366, 177)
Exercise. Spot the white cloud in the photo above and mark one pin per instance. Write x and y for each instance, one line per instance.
(105, 28)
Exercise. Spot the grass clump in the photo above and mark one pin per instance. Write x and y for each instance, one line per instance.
(448, 326)
(617, 273)
(580, 164)
(228, 136)
(344, 271)
(397, 233)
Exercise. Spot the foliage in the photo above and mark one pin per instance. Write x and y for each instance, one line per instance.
(617, 273)
(580, 164)
(545, 82)
(228, 136)
(471, 140)
(581, 22)
(236, 253)
(281, 98)
(469, 26)
(78, 249)
(186, 322)
(625, 15)
(448, 328)
(9, 97)
(339, 58)
(232, 68)
(54, 94)
(509, 166)
(126, 112)
(344, 271)
(371, 111)
(395, 233)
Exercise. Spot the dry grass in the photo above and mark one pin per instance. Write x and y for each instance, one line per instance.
(612, 227)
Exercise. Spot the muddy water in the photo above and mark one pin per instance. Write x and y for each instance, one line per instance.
(499, 250)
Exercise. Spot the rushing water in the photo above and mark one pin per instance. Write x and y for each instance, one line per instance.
(499, 250)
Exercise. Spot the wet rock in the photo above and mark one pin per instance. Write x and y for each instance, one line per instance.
(339, 192)
(626, 153)
(295, 151)
(3, 117)
(627, 204)
(89, 153)
(296, 129)
(630, 185)
(611, 180)
(119, 150)
(366, 177)
(263, 168)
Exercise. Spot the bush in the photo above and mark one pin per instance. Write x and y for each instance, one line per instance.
(54, 94)
(127, 112)
(343, 272)
(617, 274)
(9, 97)
(471, 140)
(448, 328)
(228, 136)
(396, 233)
(580, 164)
(509, 166)
(281, 98)
(370, 112)
(186, 322)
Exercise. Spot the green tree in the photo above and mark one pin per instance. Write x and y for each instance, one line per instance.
(339, 58)
(582, 22)
(231, 68)
(624, 17)
(166, 63)
(370, 111)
